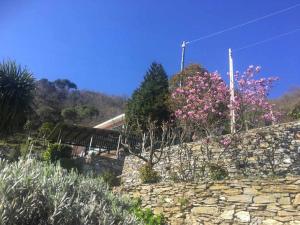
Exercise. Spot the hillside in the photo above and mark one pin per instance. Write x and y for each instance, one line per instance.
(287, 103)
(60, 100)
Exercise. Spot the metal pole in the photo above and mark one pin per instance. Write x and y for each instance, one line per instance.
(183, 45)
(232, 112)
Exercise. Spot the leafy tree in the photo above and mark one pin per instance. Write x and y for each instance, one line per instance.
(70, 115)
(59, 100)
(65, 84)
(46, 113)
(48, 102)
(189, 71)
(79, 113)
(28, 126)
(46, 129)
(16, 96)
(87, 111)
(287, 103)
(150, 100)
(295, 113)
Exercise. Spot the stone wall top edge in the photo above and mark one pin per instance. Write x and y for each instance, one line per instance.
(257, 181)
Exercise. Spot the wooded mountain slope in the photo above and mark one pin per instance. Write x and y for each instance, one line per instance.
(60, 100)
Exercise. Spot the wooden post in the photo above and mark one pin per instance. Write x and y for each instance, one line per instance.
(119, 143)
(91, 142)
(232, 112)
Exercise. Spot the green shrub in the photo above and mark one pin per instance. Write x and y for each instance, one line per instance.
(57, 151)
(35, 147)
(146, 216)
(295, 112)
(148, 174)
(71, 164)
(183, 202)
(217, 172)
(110, 178)
(10, 152)
(174, 177)
(40, 193)
(63, 155)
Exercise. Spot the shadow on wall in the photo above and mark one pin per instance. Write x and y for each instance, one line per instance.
(104, 163)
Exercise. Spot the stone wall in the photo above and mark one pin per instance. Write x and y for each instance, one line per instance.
(100, 164)
(257, 153)
(244, 201)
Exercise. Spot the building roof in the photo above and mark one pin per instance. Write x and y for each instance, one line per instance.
(112, 123)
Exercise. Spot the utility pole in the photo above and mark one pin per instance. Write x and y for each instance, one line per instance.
(183, 45)
(231, 86)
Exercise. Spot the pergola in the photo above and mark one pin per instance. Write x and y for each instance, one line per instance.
(88, 137)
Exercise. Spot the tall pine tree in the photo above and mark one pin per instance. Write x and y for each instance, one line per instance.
(150, 100)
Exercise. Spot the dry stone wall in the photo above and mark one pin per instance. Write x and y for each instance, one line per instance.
(244, 201)
(101, 164)
(257, 153)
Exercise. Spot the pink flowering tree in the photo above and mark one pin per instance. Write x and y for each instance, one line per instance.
(203, 102)
(251, 104)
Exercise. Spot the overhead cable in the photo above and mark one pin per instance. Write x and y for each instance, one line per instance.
(244, 24)
(266, 40)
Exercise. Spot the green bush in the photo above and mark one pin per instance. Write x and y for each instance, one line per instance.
(34, 147)
(217, 172)
(56, 152)
(148, 174)
(295, 113)
(146, 216)
(40, 193)
(71, 164)
(110, 178)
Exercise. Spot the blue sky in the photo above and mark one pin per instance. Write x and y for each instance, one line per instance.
(107, 45)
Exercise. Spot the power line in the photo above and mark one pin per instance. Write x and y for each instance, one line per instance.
(266, 40)
(244, 24)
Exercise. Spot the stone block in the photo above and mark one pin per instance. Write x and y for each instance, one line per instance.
(243, 216)
(240, 198)
(250, 191)
(297, 135)
(210, 201)
(158, 210)
(232, 192)
(204, 210)
(284, 200)
(297, 200)
(264, 199)
(272, 207)
(288, 213)
(283, 218)
(227, 215)
(271, 222)
(296, 222)
(217, 187)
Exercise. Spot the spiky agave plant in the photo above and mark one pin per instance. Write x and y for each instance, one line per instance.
(16, 96)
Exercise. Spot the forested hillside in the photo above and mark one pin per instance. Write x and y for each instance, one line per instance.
(289, 105)
(61, 100)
